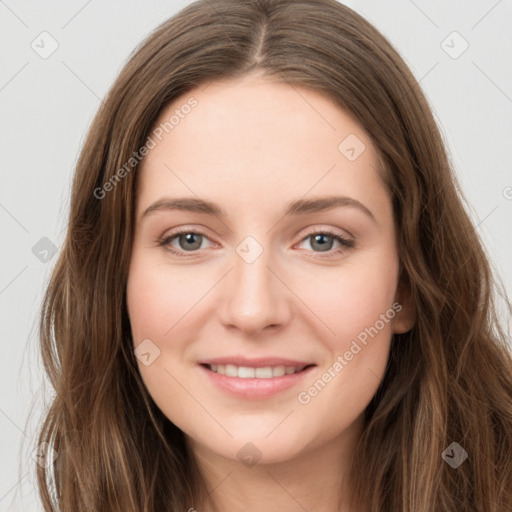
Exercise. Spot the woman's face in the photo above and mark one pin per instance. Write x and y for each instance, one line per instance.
(258, 325)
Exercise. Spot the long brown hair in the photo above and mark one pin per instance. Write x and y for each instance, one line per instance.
(448, 380)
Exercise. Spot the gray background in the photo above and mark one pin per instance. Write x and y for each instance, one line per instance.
(48, 103)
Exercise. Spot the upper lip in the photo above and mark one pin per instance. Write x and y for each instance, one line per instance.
(258, 362)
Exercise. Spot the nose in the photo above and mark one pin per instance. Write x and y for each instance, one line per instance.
(254, 296)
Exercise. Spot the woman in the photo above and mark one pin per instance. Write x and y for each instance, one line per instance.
(250, 371)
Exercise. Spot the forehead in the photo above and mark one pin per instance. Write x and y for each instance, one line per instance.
(257, 138)
(227, 111)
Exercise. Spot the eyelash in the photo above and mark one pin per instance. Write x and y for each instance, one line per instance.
(345, 242)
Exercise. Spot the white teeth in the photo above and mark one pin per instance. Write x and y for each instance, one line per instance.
(263, 373)
(245, 373)
(248, 372)
(278, 371)
(231, 370)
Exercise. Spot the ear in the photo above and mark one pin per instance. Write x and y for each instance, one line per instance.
(405, 317)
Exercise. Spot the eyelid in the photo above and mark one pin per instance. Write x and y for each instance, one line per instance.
(324, 228)
(346, 243)
(182, 230)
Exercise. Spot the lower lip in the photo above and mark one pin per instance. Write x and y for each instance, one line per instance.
(255, 388)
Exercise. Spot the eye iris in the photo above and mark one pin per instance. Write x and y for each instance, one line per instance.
(323, 246)
(189, 238)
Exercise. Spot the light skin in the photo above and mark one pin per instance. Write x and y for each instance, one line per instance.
(251, 146)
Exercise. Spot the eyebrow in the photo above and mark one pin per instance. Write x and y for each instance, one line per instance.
(297, 207)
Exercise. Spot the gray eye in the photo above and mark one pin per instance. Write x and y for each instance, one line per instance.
(319, 240)
(190, 241)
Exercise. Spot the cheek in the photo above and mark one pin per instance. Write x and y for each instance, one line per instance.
(159, 296)
(360, 314)
(353, 299)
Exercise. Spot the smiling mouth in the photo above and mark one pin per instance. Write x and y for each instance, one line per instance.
(250, 372)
